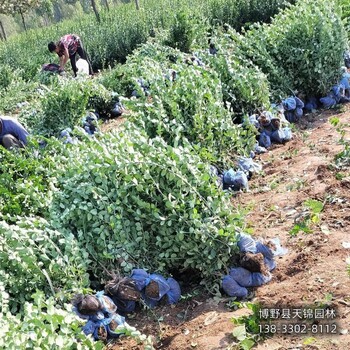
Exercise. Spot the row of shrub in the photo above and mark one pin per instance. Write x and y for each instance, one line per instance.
(143, 197)
(301, 51)
(120, 201)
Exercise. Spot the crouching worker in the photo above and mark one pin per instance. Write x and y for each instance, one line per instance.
(67, 48)
(12, 133)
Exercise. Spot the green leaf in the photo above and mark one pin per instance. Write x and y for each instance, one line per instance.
(240, 332)
(246, 344)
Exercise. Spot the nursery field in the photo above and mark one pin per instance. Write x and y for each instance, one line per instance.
(313, 273)
(198, 179)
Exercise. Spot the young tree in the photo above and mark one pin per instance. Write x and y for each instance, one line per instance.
(94, 7)
(12, 7)
(2, 32)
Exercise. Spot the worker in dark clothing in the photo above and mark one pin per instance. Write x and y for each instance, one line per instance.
(67, 48)
(12, 133)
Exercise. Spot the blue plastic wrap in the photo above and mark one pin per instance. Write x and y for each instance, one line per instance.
(287, 134)
(264, 140)
(259, 149)
(65, 132)
(279, 250)
(345, 81)
(248, 165)
(270, 264)
(117, 110)
(120, 320)
(278, 136)
(299, 103)
(264, 250)
(174, 294)
(232, 288)
(336, 92)
(258, 279)
(124, 306)
(298, 113)
(162, 284)
(328, 102)
(246, 278)
(246, 243)
(242, 276)
(139, 276)
(291, 117)
(253, 120)
(289, 104)
(89, 328)
(235, 180)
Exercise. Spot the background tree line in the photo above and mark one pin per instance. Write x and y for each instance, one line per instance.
(20, 15)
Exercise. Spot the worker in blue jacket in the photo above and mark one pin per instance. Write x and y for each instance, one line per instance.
(12, 133)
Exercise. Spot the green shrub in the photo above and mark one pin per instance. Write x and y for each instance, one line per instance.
(27, 179)
(241, 13)
(17, 92)
(6, 76)
(303, 46)
(65, 104)
(34, 257)
(191, 109)
(188, 109)
(134, 202)
(123, 78)
(43, 325)
(181, 32)
(345, 6)
(244, 87)
(252, 47)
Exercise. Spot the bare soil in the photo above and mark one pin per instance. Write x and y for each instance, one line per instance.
(314, 270)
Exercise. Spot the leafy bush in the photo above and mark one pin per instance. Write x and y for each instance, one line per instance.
(251, 48)
(65, 104)
(6, 76)
(191, 109)
(307, 40)
(27, 179)
(134, 202)
(123, 78)
(185, 107)
(43, 325)
(245, 88)
(17, 92)
(241, 13)
(181, 32)
(33, 256)
(345, 6)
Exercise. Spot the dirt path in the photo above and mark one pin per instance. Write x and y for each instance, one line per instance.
(314, 271)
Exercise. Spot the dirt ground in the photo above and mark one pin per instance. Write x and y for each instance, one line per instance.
(313, 272)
